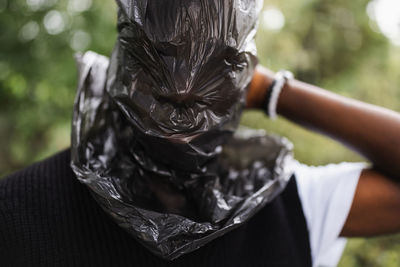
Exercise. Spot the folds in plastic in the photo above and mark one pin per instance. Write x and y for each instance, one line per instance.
(153, 127)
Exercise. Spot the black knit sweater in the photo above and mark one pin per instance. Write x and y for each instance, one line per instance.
(47, 218)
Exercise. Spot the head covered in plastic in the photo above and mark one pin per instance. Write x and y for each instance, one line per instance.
(179, 73)
(152, 133)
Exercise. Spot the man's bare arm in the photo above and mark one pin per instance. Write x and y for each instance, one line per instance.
(376, 207)
(372, 131)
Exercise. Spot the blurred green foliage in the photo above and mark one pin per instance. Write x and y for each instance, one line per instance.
(328, 43)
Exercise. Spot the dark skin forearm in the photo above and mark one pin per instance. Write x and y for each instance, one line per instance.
(372, 131)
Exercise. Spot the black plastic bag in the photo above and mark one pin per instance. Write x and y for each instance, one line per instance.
(152, 133)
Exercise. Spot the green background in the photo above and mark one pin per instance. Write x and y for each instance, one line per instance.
(332, 44)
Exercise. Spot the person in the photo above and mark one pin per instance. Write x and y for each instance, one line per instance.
(49, 218)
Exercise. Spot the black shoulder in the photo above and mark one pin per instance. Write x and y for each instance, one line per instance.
(24, 187)
(44, 212)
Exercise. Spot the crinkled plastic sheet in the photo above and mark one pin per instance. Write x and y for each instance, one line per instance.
(153, 127)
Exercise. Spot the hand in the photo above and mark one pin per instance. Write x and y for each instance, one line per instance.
(262, 79)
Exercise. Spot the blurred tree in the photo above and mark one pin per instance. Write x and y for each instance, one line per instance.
(38, 74)
(331, 43)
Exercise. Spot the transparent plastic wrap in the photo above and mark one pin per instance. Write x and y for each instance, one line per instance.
(155, 129)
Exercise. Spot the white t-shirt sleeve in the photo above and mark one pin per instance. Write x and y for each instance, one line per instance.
(326, 194)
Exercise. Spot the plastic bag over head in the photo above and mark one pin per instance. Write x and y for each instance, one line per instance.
(153, 127)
